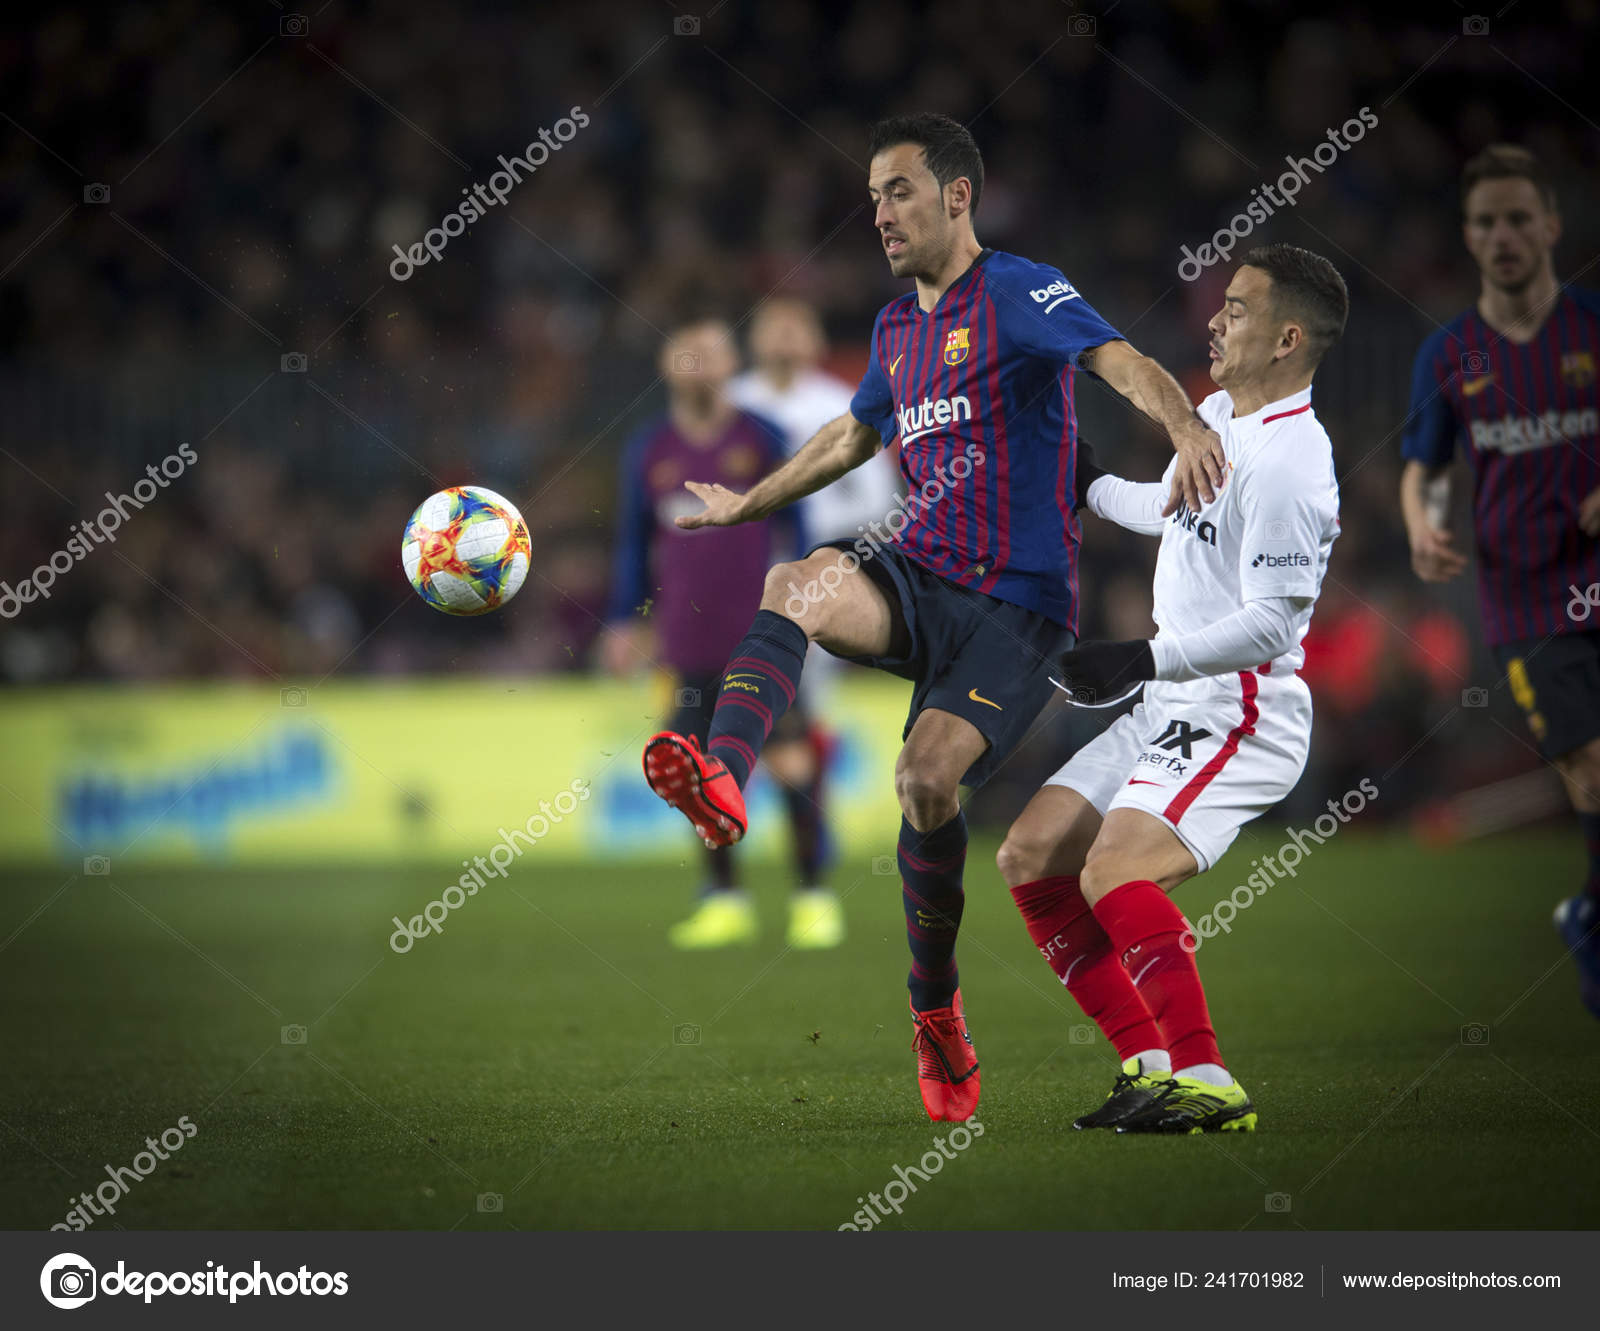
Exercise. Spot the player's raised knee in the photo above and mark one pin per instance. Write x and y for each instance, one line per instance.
(794, 591)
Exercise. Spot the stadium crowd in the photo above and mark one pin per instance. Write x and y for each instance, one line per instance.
(205, 256)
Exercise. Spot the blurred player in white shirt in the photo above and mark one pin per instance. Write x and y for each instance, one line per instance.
(1225, 725)
(785, 385)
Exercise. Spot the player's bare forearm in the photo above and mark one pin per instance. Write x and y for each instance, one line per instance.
(1425, 508)
(839, 446)
(1152, 390)
(1424, 495)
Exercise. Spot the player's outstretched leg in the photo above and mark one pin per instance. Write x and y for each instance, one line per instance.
(1040, 860)
(757, 687)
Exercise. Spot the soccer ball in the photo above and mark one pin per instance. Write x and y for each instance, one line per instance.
(466, 550)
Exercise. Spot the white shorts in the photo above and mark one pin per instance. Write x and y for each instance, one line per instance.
(1205, 757)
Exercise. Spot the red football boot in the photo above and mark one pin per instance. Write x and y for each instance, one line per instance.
(947, 1064)
(699, 786)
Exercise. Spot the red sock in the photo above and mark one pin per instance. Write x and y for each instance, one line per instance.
(1145, 928)
(1065, 930)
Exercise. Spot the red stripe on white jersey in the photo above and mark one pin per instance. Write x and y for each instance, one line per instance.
(1230, 746)
(1279, 415)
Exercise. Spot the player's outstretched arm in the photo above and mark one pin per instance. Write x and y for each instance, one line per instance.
(1260, 630)
(1424, 503)
(839, 446)
(1143, 381)
(1131, 504)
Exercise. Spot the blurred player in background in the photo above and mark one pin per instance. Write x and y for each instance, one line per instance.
(1515, 378)
(786, 384)
(681, 599)
(1224, 729)
(972, 597)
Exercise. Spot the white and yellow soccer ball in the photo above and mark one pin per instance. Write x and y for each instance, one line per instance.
(466, 550)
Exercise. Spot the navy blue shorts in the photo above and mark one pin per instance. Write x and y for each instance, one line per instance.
(985, 660)
(1556, 682)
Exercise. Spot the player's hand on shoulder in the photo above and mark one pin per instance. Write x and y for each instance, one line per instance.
(723, 507)
(1100, 671)
(1589, 513)
(1434, 556)
(1200, 470)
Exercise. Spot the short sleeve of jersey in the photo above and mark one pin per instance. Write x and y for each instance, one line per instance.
(873, 403)
(1043, 314)
(1287, 506)
(1430, 433)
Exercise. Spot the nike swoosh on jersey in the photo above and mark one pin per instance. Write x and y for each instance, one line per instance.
(1472, 387)
(895, 364)
(977, 697)
(1144, 783)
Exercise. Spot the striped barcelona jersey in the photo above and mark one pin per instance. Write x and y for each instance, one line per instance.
(979, 393)
(1529, 418)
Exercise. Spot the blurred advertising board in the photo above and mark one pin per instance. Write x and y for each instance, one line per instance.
(372, 771)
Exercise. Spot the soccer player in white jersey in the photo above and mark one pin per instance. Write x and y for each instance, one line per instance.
(1225, 724)
(787, 385)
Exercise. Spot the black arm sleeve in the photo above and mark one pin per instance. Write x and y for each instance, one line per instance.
(1088, 472)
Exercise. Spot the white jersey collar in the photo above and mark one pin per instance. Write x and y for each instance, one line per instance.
(1294, 403)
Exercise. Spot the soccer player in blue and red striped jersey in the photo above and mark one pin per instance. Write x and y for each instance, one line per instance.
(1513, 382)
(972, 593)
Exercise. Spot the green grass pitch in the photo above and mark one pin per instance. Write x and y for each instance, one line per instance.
(548, 1048)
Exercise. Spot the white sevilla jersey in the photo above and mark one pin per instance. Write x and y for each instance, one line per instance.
(1268, 533)
(813, 399)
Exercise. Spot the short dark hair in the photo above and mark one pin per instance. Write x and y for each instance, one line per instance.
(1506, 161)
(948, 148)
(1308, 289)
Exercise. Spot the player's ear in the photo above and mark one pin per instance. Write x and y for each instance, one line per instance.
(1291, 337)
(958, 196)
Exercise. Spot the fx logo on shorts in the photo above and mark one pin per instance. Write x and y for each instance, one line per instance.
(1179, 735)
